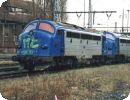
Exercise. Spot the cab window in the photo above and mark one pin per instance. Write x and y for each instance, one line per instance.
(46, 27)
(30, 27)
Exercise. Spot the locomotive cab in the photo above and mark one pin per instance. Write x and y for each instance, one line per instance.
(110, 44)
(39, 43)
(111, 47)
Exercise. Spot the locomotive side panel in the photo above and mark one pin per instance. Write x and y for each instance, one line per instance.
(90, 48)
(128, 46)
(72, 45)
(125, 47)
(82, 47)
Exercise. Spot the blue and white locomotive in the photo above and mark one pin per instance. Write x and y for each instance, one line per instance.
(44, 41)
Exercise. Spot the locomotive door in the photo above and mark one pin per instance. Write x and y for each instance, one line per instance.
(59, 43)
(82, 48)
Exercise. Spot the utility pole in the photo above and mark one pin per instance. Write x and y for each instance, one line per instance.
(90, 15)
(34, 12)
(115, 26)
(128, 21)
(123, 21)
(44, 9)
(56, 7)
(84, 14)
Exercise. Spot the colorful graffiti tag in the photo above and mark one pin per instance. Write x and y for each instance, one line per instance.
(30, 41)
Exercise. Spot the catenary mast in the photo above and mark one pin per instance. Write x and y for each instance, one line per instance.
(90, 15)
(57, 8)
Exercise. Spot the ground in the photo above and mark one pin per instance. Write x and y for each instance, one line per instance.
(108, 82)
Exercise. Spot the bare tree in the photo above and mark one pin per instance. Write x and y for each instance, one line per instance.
(44, 9)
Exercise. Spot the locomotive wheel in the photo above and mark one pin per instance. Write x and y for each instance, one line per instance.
(29, 66)
(71, 63)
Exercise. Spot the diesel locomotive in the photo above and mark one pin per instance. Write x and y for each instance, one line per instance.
(62, 44)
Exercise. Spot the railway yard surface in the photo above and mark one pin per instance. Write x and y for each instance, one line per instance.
(107, 82)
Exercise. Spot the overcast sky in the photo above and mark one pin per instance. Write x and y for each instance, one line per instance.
(100, 5)
(1, 1)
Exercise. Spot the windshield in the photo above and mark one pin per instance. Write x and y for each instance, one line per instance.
(46, 27)
(30, 27)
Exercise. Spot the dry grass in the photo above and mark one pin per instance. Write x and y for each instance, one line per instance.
(81, 84)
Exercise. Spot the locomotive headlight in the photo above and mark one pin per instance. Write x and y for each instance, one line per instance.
(44, 46)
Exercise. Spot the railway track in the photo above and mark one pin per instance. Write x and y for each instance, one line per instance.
(9, 68)
(6, 56)
(17, 71)
(8, 72)
(14, 70)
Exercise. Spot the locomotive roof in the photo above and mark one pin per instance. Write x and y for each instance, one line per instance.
(78, 29)
(125, 37)
(67, 26)
(122, 36)
(83, 32)
(75, 27)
